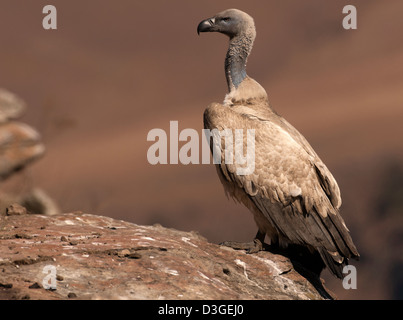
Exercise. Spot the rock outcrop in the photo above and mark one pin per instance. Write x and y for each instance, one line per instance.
(11, 106)
(83, 256)
(20, 145)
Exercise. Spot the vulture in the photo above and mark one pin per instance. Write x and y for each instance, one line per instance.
(292, 195)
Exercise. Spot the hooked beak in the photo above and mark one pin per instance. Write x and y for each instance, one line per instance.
(206, 26)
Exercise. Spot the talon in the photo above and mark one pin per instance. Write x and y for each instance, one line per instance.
(258, 246)
(250, 247)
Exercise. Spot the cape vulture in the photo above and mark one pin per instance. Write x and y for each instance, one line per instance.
(293, 196)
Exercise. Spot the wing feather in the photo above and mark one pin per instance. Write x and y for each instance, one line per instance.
(290, 186)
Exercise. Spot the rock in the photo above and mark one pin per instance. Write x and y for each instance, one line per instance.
(19, 145)
(38, 201)
(34, 201)
(11, 106)
(15, 210)
(124, 253)
(115, 259)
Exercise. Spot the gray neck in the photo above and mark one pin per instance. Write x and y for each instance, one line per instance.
(236, 59)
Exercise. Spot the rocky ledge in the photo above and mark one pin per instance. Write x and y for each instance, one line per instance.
(83, 256)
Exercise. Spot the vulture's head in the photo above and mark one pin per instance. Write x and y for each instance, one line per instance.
(231, 22)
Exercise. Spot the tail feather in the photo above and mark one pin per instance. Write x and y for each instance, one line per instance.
(331, 262)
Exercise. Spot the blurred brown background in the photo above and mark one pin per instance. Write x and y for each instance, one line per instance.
(116, 69)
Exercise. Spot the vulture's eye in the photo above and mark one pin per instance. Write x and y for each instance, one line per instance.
(226, 19)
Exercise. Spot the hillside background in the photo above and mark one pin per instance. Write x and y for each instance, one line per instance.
(116, 69)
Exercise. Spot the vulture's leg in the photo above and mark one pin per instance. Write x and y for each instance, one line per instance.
(251, 247)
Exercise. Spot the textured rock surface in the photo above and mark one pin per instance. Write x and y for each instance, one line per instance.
(101, 258)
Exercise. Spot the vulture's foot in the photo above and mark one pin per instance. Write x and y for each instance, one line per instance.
(251, 247)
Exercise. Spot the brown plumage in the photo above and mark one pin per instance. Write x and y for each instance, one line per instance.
(293, 196)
